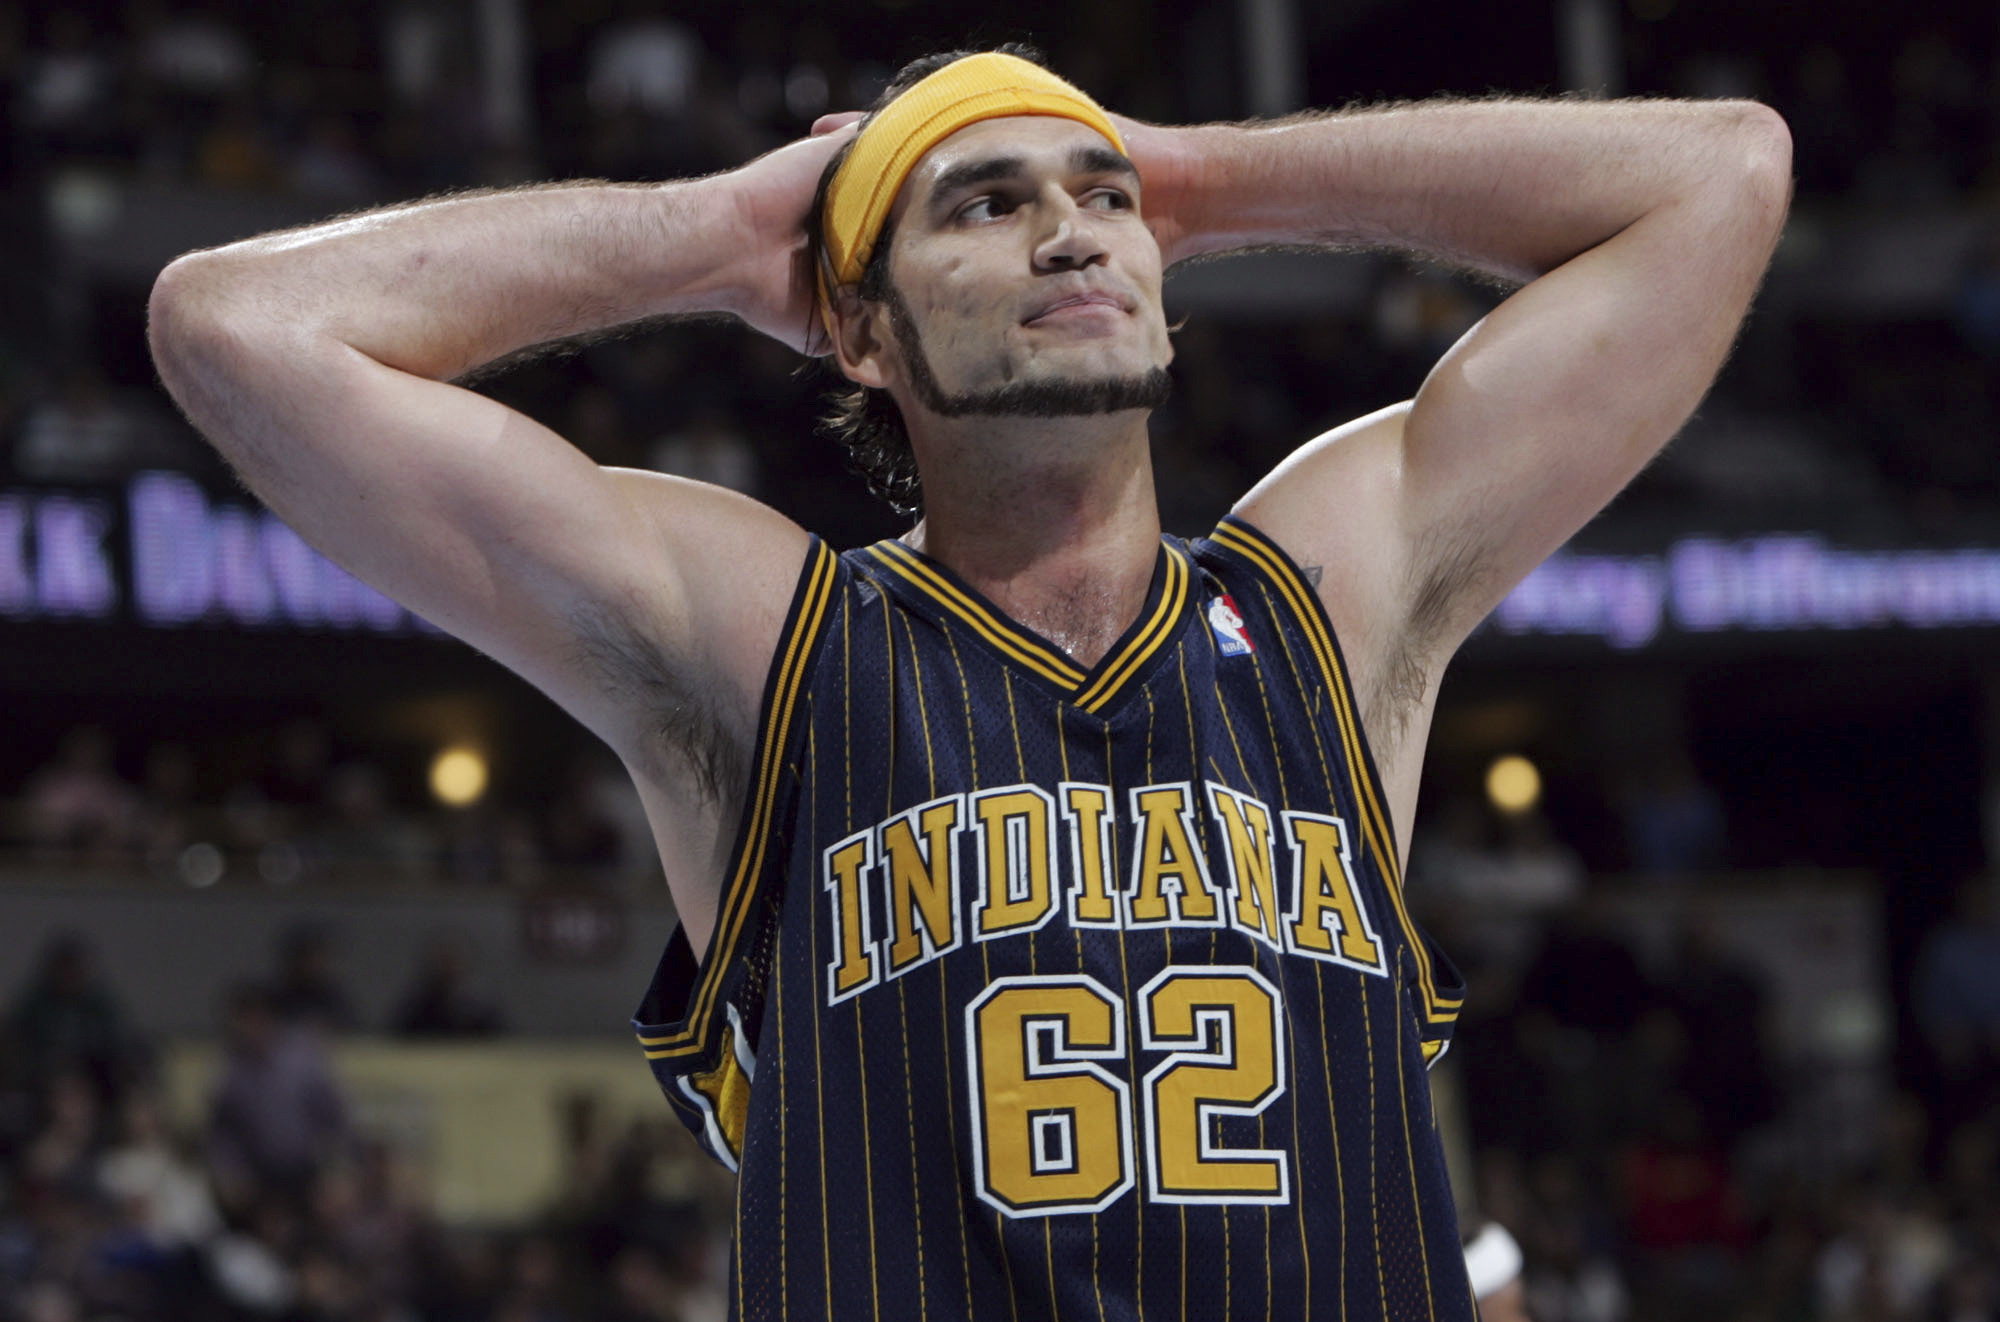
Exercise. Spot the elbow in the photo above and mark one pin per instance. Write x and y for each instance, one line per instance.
(182, 297)
(194, 320)
(1760, 148)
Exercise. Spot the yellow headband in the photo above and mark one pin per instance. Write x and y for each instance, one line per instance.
(987, 86)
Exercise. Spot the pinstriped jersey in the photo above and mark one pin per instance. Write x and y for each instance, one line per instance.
(1040, 990)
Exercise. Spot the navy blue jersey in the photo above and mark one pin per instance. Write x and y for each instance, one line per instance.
(1045, 991)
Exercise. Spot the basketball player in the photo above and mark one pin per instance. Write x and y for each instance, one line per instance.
(1042, 948)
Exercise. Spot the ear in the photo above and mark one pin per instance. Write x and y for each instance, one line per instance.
(861, 338)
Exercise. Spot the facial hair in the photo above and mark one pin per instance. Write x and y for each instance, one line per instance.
(1060, 397)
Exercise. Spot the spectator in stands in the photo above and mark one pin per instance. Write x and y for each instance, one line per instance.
(295, 777)
(165, 821)
(328, 166)
(1572, 1276)
(647, 65)
(1956, 999)
(1970, 1291)
(366, 1213)
(579, 831)
(1586, 976)
(68, 92)
(1684, 1208)
(307, 991)
(164, 1192)
(361, 835)
(1673, 820)
(237, 151)
(439, 1003)
(1885, 1259)
(278, 1116)
(60, 1162)
(1722, 1003)
(1828, 135)
(1581, 997)
(1532, 869)
(77, 806)
(65, 1020)
(89, 430)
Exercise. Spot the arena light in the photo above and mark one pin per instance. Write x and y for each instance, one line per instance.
(1513, 785)
(458, 777)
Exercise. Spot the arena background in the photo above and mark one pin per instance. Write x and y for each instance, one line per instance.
(1709, 804)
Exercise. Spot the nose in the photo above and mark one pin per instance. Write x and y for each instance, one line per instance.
(1068, 240)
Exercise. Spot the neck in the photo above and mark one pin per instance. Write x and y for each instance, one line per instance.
(1053, 520)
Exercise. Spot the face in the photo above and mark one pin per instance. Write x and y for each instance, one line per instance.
(1023, 278)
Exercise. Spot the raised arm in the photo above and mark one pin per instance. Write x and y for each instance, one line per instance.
(1642, 229)
(319, 362)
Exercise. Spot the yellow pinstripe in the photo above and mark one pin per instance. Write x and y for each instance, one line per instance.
(1374, 821)
(867, 1162)
(1113, 672)
(999, 631)
(847, 715)
(1157, 628)
(1291, 1021)
(1062, 751)
(784, 1108)
(819, 1064)
(951, 1112)
(1131, 1057)
(1374, 1157)
(1333, 1126)
(860, 1038)
(985, 954)
(916, 1171)
(1319, 976)
(1416, 1198)
(796, 651)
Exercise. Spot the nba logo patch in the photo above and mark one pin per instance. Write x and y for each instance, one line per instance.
(1226, 622)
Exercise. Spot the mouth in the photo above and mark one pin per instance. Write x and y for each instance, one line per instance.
(1083, 304)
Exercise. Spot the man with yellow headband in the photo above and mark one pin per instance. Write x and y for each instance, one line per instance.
(1044, 870)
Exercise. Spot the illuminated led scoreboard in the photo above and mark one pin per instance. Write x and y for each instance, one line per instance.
(1770, 584)
(164, 553)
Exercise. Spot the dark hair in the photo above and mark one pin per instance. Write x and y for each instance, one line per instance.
(862, 419)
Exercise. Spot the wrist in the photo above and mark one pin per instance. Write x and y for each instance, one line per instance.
(1193, 196)
(709, 230)
(1168, 160)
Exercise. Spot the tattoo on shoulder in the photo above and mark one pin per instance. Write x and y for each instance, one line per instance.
(1313, 573)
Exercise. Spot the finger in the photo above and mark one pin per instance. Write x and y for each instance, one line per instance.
(834, 122)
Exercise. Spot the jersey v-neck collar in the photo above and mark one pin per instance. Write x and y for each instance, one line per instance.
(933, 585)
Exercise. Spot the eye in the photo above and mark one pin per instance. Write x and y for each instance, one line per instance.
(984, 208)
(1108, 199)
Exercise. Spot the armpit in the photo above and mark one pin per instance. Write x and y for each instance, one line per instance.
(1447, 567)
(684, 735)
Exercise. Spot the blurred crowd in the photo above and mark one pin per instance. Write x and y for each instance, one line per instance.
(1640, 1122)
(1634, 1114)
(1860, 408)
(285, 808)
(1634, 1120)
(279, 1205)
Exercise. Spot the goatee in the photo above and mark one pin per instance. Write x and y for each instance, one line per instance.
(1063, 397)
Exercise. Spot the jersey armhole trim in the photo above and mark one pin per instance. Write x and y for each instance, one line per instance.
(1246, 542)
(798, 644)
